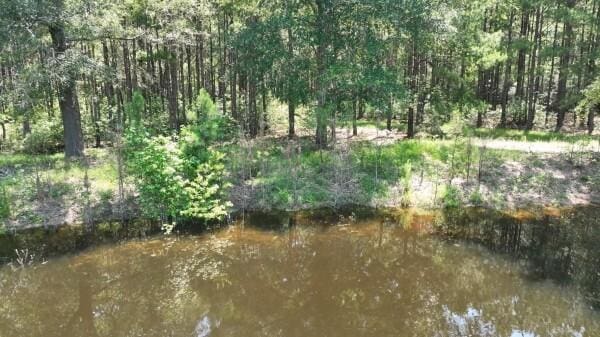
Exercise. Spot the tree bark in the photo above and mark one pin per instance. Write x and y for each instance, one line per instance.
(354, 115)
(321, 132)
(534, 77)
(127, 69)
(291, 119)
(67, 99)
(173, 90)
(564, 71)
(551, 77)
(590, 119)
(521, 55)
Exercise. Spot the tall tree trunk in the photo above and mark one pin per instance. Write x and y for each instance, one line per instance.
(388, 124)
(551, 77)
(254, 120)
(495, 99)
(564, 71)
(173, 90)
(127, 70)
(190, 90)
(321, 132)
(354, 115)
(199, 60)
(291, 119)
(411, 122)
(534, 77)
(411, 73)
(222, 68)
(182, 86)
(290, 92)
(590, 118)
(212, 77)
(69, 107)
(233, 85)
(522, 54)
(108, 87)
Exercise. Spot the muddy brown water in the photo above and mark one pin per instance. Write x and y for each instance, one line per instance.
(388, 273)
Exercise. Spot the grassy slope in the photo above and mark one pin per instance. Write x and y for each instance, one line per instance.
(423, 173)
(269, 173)
(47, 190)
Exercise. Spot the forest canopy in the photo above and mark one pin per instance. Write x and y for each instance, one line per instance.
(69, 68)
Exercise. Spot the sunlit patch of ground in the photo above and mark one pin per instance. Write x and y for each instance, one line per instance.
(539, 147)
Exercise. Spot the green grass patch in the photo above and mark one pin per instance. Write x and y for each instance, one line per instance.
(532, 136)
(26, 160)
(361, 173)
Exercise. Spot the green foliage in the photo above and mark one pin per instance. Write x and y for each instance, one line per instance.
(134, 109)
(4, 203)
(531, 136)
(207, 191)
(181, 178)
(45, 138)
(451, 197)
(591, 95)
(202, 108)
(206, 127)
(455, 127)
(476, 198)
(406, 184)
(154, 164)
(99, 125)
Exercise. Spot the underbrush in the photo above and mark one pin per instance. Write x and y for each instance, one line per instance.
(35, 185)
(290, 175)
(293, 176)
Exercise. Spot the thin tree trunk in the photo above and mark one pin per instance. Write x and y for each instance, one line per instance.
(190, 90)
(233, 89)
(127, 70)
(534, 78)
(321, 132)
(551, 77)
(522, 55)
(354, 115)
(564, 71)
(173, 90)
(590, 119)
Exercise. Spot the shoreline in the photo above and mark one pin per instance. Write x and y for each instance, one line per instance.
(425, 174)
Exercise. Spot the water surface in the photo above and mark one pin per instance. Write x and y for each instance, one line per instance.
(475, 273)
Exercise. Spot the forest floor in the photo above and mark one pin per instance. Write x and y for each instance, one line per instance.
(375, 168)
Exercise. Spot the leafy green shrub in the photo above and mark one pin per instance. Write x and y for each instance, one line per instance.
(207, 122)
(176, 178)
(45, 137)
(451, 197)
(207, 191)
(154, 164)
(406, 183)
(476, 198)
(455, 127)
(4, 203)
(202, 108)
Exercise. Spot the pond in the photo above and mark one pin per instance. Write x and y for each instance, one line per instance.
(469, 272)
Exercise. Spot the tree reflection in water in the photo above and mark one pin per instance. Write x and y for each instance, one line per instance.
(390, 273)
